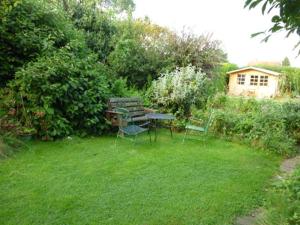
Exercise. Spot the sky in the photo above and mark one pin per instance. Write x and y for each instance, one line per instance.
(228, 21)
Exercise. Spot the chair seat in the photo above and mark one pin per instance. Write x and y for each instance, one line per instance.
(193, 127)
(133, 130)
(138, 118)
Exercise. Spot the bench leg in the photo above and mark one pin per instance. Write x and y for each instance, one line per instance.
(155, 130)
(134, 140)
(186, 130)
(149, 133)
(117, 138)
(170, 125)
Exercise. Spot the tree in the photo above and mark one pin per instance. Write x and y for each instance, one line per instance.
(56, 83)
(200, 51)
(287, 18)
(139, 52)
(144, 50)
(29, 29)
(98, 26)
(117, 6)
(286, 62)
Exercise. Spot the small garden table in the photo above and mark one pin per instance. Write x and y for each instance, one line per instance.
(160, 117)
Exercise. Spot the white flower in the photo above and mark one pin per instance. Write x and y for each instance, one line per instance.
(182, 85)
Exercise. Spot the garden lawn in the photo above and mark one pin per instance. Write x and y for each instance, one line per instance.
(89, 181)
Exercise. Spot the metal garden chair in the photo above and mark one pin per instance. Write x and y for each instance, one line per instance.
(127, 126)
(197, 125)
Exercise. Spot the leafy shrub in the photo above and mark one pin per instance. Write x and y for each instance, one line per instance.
(119, 88)
(290, 82)
(9, 144)
(220, 78)
(178, 90)
(62, 93)
(10, 129)
(131, 60)
(291, 113)
(98, 27)
(265, 124)
(28, 29)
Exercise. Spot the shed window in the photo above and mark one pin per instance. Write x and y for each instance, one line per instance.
(241, 79)
(254, 80)
(263, 81)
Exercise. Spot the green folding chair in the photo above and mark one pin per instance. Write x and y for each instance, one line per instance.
(196, 125)
(127, 127)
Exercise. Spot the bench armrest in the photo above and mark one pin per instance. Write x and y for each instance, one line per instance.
(149, 110)
(113, 112)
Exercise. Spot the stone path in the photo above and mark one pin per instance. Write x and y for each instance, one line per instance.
(289, 165)
(249, 219)
(286, 168)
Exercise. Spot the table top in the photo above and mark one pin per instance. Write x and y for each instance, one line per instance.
(160, 116)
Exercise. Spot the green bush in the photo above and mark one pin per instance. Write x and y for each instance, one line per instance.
(265, 124)
(98, 28)
(61, 94)
(178, 90)
(28, 29)
(10, 144)
(10, 129)
(221, 78)
(291, 113)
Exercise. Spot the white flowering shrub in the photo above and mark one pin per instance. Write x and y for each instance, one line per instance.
(178, 90)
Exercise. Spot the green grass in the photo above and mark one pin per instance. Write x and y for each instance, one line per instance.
(282, 205)
(89, 181)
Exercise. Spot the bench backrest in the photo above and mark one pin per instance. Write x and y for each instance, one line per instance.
(134, 105)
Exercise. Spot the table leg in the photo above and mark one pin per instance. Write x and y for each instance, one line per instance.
(155, 129)
(170, 125)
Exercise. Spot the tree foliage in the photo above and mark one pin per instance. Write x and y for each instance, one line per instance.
(61, 94)
(61, 60)
(136, 55)
(99, 29)
(286, 62)
(116, 6)
(58, 87)
(143, 50)
(28, 30)
(200, 51)
(286, 17)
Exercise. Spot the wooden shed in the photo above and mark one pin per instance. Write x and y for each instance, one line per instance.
(253, 81)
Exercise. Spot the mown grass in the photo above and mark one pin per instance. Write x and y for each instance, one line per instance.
(89, 181)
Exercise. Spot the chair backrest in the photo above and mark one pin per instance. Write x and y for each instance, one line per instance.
(209, 122)
(133, 105)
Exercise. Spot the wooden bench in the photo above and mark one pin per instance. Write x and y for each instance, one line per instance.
(134, 105)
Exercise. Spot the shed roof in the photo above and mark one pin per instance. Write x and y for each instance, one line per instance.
(255, 68)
